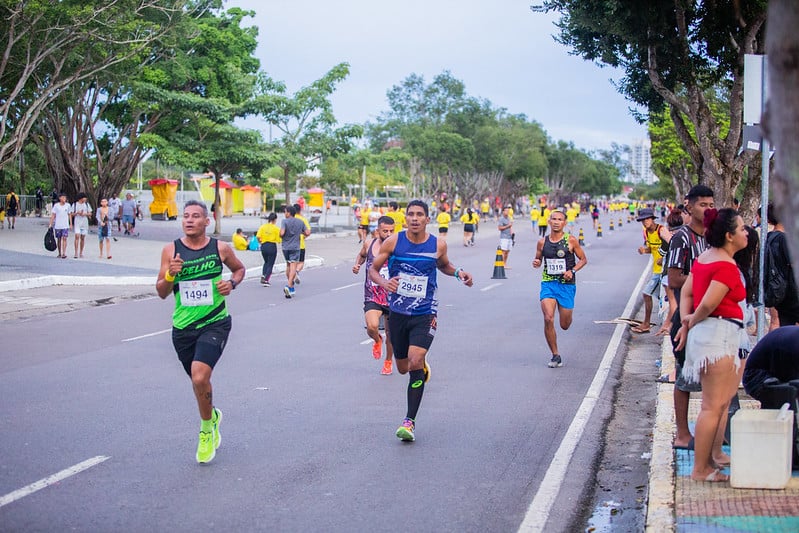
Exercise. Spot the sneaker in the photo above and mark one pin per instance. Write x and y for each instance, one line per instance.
(427, 372)
(377, 349)
(387, 368)
(263, 280)
(217, 420)
(266, 284)
(287, 291)
(296, 280)
(205, 447)
(555, 362)
(405, 431)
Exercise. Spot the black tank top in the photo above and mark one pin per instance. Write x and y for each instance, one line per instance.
(557, 251)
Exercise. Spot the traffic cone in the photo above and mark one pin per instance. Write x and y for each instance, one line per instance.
(581, 239)
(620, 222)
(611, 225)
(499, 266)
(599, 231)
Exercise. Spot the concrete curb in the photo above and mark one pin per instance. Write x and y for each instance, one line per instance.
(49, 281)
(660, 506)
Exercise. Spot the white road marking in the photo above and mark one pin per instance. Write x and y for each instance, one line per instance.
(55, 478)
(147, 335)
(538, 512)
(489, 287)
(347, 286)
(367, 341)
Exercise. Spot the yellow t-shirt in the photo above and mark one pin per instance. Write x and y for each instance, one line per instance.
(239, 242)
(534, 214)
(485, 207)
(268, 233)
(443, 220)
(365, 216)
(571, 214)
(307, 226)
(467, 219)
(399, 219)
(653, 241)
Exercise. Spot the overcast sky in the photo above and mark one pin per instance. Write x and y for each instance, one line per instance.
(500, 49)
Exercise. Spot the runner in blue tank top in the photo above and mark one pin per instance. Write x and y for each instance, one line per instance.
(413, 258)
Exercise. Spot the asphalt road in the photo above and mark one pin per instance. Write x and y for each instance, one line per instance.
(308, 430)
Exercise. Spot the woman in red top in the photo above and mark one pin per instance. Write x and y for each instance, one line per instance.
(711, 324)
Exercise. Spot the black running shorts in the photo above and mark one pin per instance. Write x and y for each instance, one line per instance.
(204, 345)
(411, 330)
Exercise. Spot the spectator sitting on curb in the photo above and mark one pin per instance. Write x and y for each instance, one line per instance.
(240, 240)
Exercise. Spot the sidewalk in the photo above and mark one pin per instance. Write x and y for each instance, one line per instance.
(33, 280)
(677, 503)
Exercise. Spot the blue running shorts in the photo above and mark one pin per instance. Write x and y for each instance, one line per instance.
(563, 293)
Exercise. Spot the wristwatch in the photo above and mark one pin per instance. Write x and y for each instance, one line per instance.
(232, 284)
(574, 272)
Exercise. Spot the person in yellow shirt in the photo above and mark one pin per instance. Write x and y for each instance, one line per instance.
(470, 221)
(571, 217)
(363, 228)
(535, 213)
(485, 208)
(397, 215)
(654, 235)
(543, 220)
(239, 240)
(269, 237)
(443, 219)
(301, 262)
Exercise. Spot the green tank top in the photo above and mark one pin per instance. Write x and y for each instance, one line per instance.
(197, 301)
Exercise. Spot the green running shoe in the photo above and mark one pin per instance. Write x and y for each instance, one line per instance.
(217, 420)
(405, 431)
(205, 448)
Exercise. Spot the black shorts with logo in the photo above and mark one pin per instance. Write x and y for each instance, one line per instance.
(204, 345)
(411, 330)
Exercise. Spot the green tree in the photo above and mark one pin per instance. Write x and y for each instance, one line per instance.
(672, 53)
(306, 122)
(47, 46)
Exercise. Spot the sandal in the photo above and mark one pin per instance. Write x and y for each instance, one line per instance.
(716, 477)
(639, 329)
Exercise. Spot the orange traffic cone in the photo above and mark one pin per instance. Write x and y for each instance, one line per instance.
(499, 266)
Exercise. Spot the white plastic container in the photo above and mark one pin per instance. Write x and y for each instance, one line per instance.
(761, 445)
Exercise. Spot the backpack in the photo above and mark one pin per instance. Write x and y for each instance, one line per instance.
(49, 240)
(12, 202)
(776, 286)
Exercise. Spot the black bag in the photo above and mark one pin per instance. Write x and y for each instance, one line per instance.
(49, 240)
(776, 284)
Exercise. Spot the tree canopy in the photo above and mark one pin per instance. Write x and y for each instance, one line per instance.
(672, 54)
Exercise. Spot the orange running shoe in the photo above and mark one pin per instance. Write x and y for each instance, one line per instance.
(377, 349)
(387, 368)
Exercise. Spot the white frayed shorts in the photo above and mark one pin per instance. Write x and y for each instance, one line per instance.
(708, 341)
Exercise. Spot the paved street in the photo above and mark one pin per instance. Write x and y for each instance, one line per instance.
(308, 421)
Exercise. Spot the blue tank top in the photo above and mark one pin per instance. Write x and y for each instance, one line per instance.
(415, 265)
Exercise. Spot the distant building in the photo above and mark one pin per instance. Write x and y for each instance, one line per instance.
(641, 163)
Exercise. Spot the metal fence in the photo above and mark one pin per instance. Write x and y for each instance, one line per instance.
(27, 205)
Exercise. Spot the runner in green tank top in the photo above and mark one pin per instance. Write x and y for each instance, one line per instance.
(191, 269)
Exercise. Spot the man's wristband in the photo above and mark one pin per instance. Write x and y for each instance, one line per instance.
(169, 277)
(457, 272)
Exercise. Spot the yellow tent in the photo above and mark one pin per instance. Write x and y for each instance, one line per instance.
(163, 206)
